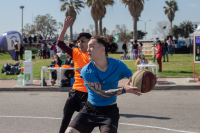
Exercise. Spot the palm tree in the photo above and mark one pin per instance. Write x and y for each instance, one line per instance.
(96, 12)
(135, 8)
(170, 10)
(186, 28)
(176, 31)
(104, 4)
(73, 7)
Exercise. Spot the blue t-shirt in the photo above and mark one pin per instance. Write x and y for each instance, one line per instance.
(116, 71)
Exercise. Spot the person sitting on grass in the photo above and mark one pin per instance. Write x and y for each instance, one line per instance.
(141, 60)
(58, 62)
(68, 73)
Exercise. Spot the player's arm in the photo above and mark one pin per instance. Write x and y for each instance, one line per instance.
(67, 23)
(98, 88)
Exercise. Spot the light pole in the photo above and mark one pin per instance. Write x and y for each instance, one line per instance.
(22, 7)
(145, 26)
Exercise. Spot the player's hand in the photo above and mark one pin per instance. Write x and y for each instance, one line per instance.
(68, 22)
(133, 90)
(78, 69)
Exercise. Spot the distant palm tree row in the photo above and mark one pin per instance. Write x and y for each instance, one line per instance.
(98, 11)
(183, 30)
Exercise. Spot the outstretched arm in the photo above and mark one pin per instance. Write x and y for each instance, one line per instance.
(67, 23)
(98, 88)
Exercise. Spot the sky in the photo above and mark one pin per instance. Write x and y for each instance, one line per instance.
(11, 14)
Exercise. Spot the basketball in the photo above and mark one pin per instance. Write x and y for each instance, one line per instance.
(144, 80)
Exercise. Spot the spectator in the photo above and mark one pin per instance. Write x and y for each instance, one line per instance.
(141, 60)
(124, 47)
(48, 50)
(68, 73)
(170, 43)
(17, 50)
(59, 50)
(43, 50)
(40, 38)
(35, 38)
(159, 54)
(154, 50)
(30, 39)
(140, 47)
(54, 48)
(21, 52)
(132, 49)
(165, 49)
(135, 49)
(51, 50)
(25, 39)
(56, 61)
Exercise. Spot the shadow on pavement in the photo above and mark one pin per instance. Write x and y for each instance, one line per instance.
(163, 83)
(143, 116)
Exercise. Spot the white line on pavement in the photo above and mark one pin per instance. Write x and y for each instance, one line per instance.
(157, 128)
(119, 123)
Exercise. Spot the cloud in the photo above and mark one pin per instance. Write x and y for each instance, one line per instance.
(193, 5)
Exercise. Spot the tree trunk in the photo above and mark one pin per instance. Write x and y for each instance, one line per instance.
(135, 37)
(71, 33)
(100, 27)
(96, 27)
(171, 28)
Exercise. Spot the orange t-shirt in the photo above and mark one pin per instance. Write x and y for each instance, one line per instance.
(80, 60)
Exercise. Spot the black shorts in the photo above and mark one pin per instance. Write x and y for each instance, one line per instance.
(106, 118)
(75, 101)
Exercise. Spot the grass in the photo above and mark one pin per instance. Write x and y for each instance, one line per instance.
(179, 65)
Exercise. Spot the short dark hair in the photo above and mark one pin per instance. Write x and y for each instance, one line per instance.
(83, 34)
(135, 41)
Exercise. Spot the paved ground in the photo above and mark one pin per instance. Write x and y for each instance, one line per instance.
(158, 111)
(162, 83)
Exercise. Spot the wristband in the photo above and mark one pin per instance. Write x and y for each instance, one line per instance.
(123, 90)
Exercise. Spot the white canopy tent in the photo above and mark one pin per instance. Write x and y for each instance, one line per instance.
(196, 32)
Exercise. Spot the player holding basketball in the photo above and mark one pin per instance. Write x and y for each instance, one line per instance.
(101, 78)
(78, 94)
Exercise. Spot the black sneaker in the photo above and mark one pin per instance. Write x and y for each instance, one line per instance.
(164, 61)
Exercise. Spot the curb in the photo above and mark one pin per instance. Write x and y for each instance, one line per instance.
(61, 89)
(66, 89)
(177, 87)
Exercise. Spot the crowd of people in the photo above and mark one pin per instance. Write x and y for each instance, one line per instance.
(160, 49)
(57, 61)
(31, 39)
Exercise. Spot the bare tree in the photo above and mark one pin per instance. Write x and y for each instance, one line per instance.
(46, 25)
(91, 26)
(162, 29)
(122, 31)
(113, 32)
(29, 29)
(87, 30)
